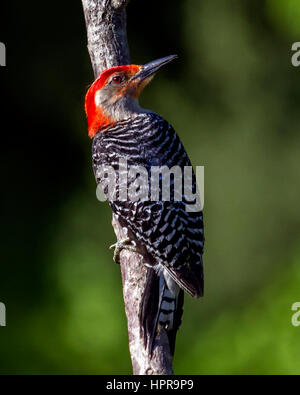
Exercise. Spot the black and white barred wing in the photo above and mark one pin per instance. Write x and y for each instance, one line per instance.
(172, 240)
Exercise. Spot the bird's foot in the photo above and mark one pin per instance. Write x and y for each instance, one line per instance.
(124, 244)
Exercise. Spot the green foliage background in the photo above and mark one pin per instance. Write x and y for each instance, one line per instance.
(234, 98)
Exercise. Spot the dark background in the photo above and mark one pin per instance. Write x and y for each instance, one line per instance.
(233, 96)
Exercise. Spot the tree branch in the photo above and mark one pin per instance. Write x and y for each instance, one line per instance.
(108, 47)
(106, 30)
(134, 281)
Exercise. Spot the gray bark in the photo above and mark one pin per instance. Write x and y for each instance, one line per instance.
(106, 31)
(108, 47)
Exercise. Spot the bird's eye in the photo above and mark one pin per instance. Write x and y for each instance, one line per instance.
(117, 79)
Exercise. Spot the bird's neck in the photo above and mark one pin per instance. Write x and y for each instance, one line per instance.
(127, 107)
(110, 114)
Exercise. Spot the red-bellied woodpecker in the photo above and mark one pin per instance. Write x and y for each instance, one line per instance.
(169, 236)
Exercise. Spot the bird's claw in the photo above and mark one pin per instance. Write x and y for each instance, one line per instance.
(124, 244)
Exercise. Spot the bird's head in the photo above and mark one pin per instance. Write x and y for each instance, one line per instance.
(114, 95)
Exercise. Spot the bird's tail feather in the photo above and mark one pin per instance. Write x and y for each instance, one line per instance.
(149, 313)
(177, 321)
(152, 309)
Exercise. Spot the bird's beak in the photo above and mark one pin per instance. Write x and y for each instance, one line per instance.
(149, 69)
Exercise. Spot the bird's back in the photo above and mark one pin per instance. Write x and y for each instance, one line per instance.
(170, 234)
